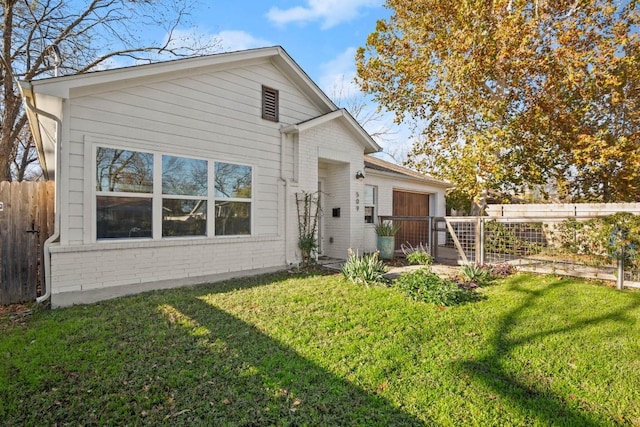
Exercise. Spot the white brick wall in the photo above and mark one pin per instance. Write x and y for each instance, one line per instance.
(89, 267)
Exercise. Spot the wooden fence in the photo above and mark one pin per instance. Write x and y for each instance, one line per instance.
(26, 221)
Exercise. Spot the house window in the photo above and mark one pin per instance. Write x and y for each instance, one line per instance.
(129, 201)
(233, 199)
(270, 104)
(124, 193)
(370, 199)
(184, 196)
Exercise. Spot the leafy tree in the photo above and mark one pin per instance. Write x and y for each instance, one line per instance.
(512, 95)
(42, 37)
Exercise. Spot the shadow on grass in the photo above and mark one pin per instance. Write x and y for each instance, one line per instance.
(538, 402)
(259, 381)
(170, 358)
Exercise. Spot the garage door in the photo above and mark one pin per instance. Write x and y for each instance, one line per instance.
(410, 204)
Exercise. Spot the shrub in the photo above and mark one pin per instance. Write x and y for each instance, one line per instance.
(366, 270)
(423, 285)
(474, 273)
(502, 270)
(417, 255)
(602, 239)
(386, 228)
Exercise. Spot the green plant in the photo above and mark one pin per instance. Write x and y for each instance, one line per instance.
(386, 228)
(308, 206)
(502, 270)
(423, 285)
(602, 240)
(514, 239)
(475, 273)
(417, 255)
(364, 270)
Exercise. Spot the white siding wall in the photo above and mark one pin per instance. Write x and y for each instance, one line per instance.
(332, 148)
(386, 184)
(216, 116)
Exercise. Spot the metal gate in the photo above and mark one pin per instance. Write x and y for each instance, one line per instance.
(26, 221)
(455, 240)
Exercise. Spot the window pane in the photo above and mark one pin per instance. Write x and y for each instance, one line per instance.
(368, 214)
(233, 218)
(184, 176)
(369, 195)
(123, 170)
(184, 217)
(123, 217)
(233, 181)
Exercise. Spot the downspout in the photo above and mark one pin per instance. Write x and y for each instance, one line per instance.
(283, 140)
(56, 222)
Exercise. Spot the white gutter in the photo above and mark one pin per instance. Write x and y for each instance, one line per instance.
(56, 222)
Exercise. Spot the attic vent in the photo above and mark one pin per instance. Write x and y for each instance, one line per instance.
(269, 104)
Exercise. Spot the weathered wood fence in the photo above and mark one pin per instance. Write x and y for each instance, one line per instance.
(26, 221)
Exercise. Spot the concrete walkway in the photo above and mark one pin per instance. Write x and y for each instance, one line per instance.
(394, 272)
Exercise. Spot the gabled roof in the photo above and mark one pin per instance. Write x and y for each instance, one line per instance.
(38, 93)
(387, 168)
(370, 146)
(62, 87)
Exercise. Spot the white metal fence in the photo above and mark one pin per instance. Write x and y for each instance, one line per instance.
(531, 244)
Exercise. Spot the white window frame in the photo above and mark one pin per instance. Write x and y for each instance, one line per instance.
(157, 195)
(374, 204)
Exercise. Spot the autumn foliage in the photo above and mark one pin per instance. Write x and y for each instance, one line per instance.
(515, 95)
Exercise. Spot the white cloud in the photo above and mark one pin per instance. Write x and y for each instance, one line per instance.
(239, 40)
(330, 12)
(338, 74)
(337, 81)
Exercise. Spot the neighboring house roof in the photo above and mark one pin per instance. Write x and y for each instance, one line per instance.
(370, 146)
(380, 166)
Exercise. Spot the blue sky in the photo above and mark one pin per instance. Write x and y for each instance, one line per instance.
(320, 35)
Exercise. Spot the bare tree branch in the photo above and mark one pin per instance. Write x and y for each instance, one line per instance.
(84, 36)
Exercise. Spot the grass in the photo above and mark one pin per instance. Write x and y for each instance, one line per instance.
(319, 350)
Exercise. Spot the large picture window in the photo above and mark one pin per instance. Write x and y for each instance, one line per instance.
(135, 190)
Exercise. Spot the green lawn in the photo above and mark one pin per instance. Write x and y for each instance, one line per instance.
(318, 350)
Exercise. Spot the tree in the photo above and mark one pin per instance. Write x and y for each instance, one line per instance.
(43, 37)
(514, 95)
(370, 117)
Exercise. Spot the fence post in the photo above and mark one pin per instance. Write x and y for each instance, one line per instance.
(620, 278)
(430, 235)
(481, 242)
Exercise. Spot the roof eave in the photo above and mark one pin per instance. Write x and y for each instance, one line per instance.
(426, 180)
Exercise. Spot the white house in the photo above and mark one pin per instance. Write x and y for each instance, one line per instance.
(186, 171)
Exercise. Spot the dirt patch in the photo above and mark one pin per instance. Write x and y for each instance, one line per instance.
(396, 262)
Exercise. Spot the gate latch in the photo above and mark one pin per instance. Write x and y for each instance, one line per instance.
(33, 228)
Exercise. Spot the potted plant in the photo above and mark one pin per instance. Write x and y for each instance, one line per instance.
(386, 231)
